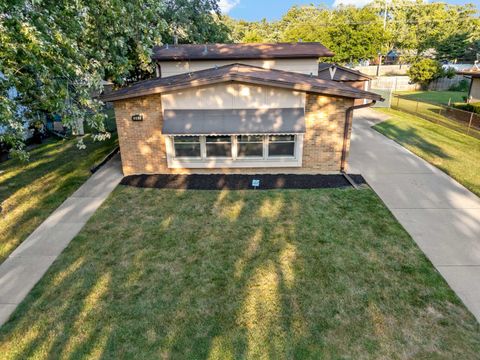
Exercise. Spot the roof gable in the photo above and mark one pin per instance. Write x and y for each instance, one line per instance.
(240, 51)
(341, 73)
(243, 74)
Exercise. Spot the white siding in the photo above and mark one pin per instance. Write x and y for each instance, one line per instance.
(233, 96)
(304, 66)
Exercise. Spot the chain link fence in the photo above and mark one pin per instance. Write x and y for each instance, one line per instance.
(462, 121)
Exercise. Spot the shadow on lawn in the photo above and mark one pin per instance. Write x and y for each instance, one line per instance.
(30, 191)
(409, 136)
(229, 274)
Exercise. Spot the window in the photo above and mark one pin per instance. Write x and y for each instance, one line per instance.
(187, 146)
(281, 145)
(234, 151)
(218, 146)
(250, 146)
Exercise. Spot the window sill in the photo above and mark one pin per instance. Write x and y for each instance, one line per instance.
(230, 163)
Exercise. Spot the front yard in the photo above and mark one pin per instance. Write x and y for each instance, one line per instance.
(241, 274)
(455, 153)
(30, 191)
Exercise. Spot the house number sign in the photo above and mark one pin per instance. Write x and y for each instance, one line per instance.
(137, 117)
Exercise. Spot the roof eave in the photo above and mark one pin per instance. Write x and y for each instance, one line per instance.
(239, 78)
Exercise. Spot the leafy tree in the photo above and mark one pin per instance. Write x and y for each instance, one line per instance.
(55, 53)
(424, 71)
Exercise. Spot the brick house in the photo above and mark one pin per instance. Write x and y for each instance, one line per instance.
(236, 108)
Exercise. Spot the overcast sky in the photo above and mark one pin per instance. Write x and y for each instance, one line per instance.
(274, 9)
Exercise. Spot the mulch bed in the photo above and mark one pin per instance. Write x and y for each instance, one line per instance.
(240, 182)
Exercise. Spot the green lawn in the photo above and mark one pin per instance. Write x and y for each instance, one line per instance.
(455, 153)
(304, 274)
(440, 97)
(30, 191)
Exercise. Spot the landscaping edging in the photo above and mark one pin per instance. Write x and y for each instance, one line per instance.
(240, 182)
(95, 168)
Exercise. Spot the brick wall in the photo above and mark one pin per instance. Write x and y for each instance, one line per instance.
(143, 151)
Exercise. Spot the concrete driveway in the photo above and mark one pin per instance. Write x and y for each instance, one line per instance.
(441, 215)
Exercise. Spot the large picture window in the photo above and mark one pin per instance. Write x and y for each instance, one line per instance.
(218, 146)
(187, 146)
(234, 151)
(281, 145)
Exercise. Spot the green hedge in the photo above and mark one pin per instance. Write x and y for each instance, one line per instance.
(472, 107)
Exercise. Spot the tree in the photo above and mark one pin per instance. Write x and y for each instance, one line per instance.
(55, 53)
(424, 71)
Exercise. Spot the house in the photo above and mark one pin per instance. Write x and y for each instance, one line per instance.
(236, 108)
(355, 78)
(474, 75)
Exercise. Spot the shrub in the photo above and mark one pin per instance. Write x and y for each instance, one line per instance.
(472, 107)
(424, 71)
(462, 85)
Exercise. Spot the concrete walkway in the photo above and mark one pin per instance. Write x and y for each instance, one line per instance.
(29, 262)
(441, 215)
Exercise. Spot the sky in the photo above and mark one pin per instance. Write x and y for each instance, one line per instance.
(274, 9)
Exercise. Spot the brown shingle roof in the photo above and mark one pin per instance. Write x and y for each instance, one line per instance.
(341, 74)
(474, 71)
(240, 51)
(240, 73)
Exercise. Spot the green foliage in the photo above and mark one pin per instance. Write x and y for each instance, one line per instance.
(413, 27)
(54, 54)
(462, 86)
(471, 107)
(424, 71)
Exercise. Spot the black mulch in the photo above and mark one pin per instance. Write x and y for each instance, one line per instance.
(240, 182)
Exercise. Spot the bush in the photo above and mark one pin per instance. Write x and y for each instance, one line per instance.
(424, 71)
(462, 85)
(472, 107)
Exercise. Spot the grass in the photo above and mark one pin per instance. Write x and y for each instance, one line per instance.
(304, 274)
(30, 191)
(437, 114)
(454, 153)
(440, 97)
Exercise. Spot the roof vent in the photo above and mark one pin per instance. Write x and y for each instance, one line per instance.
(216, 67)
(300, 40)
(166, 46)
(205, 50)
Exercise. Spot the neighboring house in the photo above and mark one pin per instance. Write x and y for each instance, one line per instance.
(474, 75)
(236, 108)
(355, 78)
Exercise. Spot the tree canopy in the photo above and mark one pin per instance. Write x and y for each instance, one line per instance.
(414, 27)
(55, 53)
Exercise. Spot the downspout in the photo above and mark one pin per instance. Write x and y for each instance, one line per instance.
(348, 121)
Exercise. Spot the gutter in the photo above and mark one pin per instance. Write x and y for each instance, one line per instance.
(348, 121)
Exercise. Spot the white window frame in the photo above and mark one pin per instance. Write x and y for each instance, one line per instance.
(205, 155)
(189, 157)
(280, 142)
(234, 161)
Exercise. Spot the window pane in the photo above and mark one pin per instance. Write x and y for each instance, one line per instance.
(187, 150)
(213, 139)
(281, 149)
(250, 138)
(275, 138)
(219, 150)
(252, 149)
(188, 139)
